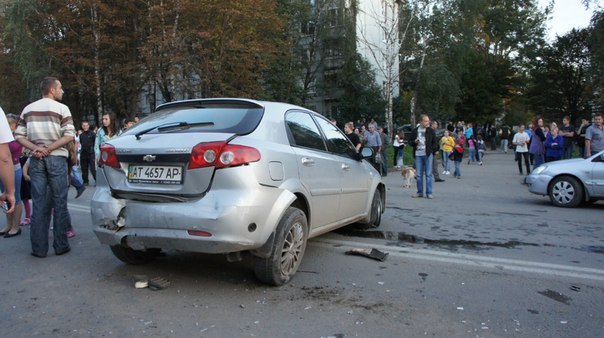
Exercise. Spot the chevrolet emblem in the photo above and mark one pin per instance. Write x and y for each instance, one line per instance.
(148, 158)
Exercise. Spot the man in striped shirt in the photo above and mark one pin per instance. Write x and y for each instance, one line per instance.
(45, 127)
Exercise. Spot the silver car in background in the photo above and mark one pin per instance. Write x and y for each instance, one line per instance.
(568, 183)
(231, 176)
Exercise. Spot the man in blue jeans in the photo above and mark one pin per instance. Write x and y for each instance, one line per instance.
(425, 145)
(45, 127)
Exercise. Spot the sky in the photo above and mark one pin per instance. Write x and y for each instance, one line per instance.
(568, 14)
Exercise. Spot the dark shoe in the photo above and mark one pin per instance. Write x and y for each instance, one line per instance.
(2, 233)
(59, 253)
(37, 255)
(439, 180)
(9, 235)
(418, 196)
(80, 191)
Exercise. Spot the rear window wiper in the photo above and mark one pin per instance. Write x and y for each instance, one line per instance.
(172, 125)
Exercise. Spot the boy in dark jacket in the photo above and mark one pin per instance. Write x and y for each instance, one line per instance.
(457, 157)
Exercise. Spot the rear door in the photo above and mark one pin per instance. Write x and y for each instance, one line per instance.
(355, 176)
(317, 169)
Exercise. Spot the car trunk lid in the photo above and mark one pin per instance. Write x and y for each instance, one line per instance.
(158, 164)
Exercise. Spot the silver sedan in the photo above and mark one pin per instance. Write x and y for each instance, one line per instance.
(232, 176)
(568, 183)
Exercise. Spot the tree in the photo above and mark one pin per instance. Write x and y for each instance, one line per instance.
(384, 47)
(481, 50)
(596, 71)
(362, 97)
(560, 83)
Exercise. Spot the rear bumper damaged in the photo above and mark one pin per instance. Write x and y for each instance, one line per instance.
(223, 221)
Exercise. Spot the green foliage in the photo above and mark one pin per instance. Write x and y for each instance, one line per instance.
(472, 60)
(362, 97)
(475, 55)
(105, 52)
(438, 91)
(596, 43)
(561, 83)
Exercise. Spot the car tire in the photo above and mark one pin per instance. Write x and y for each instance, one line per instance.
(566, 191)
(376, 210)
(134, 257)
(287, 251)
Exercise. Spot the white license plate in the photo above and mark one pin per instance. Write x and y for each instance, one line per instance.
(154, 174)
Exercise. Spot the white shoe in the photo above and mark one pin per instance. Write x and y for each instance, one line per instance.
(444, 172)
(448, 173)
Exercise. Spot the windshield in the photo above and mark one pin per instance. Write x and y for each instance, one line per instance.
(235, 120)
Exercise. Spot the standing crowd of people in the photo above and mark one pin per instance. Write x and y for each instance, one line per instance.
(39, 155)
(541, 143)
(533, 144)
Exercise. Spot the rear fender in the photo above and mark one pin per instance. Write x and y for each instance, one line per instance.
(283, 202)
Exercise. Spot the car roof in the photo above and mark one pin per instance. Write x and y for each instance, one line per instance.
(231, 102)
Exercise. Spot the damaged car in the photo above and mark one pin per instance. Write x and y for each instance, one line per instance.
(231, 176)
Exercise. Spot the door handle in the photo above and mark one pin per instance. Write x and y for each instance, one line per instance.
(308, 161)
(345, 167)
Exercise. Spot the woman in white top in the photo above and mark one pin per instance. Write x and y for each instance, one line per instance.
(399, 147)
(521, 141)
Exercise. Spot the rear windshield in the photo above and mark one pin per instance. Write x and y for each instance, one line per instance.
(237, 120)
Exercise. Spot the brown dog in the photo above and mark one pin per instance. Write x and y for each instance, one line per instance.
(408, 174)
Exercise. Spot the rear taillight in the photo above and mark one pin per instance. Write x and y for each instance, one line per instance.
(108, 156)
(221, 155)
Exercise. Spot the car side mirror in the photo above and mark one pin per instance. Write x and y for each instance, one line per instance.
(366, 152)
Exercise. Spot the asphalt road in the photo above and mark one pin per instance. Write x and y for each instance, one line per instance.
(484, 258)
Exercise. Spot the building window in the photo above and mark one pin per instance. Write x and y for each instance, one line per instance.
(332, 17)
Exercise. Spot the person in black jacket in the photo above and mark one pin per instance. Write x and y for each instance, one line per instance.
(87, 138)
(425, 145)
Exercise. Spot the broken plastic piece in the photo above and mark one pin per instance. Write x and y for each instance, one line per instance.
(158, 283)
(371, 253)
(140, 281)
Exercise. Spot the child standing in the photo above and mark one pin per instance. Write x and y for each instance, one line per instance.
(457, 157)
(472, 150)
(480, 149)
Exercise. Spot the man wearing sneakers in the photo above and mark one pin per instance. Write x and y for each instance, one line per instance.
(425, 145)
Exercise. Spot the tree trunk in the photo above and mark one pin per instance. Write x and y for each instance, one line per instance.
(97, 71)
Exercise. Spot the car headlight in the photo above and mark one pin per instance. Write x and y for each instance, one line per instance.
(539, 169)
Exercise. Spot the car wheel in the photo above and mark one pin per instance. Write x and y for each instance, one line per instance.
(376, 209)
(134, 257)
(287, 251)
(566, 191)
